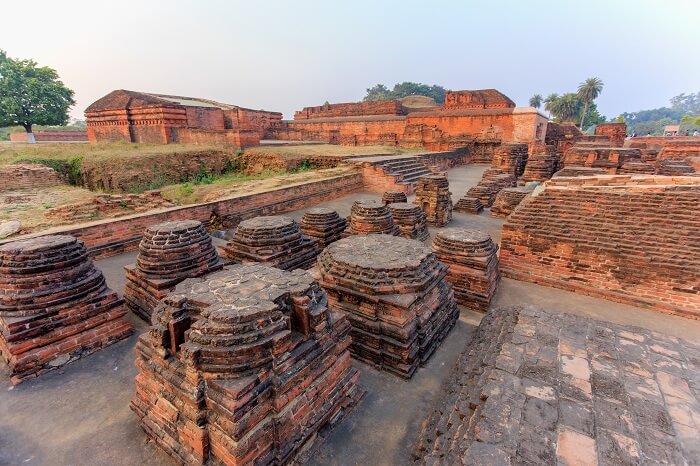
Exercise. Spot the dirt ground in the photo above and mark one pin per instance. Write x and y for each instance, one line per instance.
(80, 415)
(326, 150)
(29, 205)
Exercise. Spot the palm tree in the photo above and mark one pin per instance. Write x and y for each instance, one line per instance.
(536, 101)
(567, 107)
(588, 91)
(551, 102)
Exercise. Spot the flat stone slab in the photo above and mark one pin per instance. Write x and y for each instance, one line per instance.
(535, 387)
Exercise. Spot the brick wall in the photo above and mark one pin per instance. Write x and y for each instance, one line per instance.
(616, 132)
(27, 176)
(109, 237)
(351, 109)
(51, 136)
(632, 239)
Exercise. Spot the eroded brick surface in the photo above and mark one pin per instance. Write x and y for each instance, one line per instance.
(534, 387)
(168, 253)
(393, 291)
(434, 197)
(55, 306)
(244, 366)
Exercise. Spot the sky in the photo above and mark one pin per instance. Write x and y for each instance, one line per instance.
(285, 55)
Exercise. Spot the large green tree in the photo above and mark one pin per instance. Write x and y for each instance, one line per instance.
(31, 95)
(404, 89)
(588, 91)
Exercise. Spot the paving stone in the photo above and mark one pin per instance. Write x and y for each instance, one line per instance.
(577, 405)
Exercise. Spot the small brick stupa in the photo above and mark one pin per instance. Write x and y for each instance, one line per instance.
(274, 240)
(410, 219)
(393, 197)
(434, 197)
(244, 366)
(395, 294)
(508, 199)
(473, 265)
(469, 205)
(323, 224)
(540, 167)
(55, 306)
(492, 181)
(368, 216)
(168, 253)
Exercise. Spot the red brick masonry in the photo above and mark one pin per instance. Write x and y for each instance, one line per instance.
(632, 239)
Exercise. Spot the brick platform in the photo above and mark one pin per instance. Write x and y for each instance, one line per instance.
(245, 366)
(393, 197)
(633, 239)
(473, 265)
(534, 387)
(570, 172)
(369, 216)
(434, 197)
(410, 219)
(274, 240)
(508, 199)
(470, 205)
(169, 253)
(323, 224)
(395, 295)
(55, 306)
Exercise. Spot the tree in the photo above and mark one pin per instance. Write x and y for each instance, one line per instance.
(686, 103)
(588, 91)
(31, 95)
(550, 102)
(404, 89)
(536, 101)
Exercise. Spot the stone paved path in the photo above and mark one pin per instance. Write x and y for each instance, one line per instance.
(540, 388)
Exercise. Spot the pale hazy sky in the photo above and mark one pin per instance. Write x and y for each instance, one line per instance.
(284, 55)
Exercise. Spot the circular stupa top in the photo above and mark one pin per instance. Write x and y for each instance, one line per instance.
(464, 242)
(270, 222)
(270, 230)
(379, 264)
(35, 245)
(177, 226)
(403, 206)
(38, 274)
(321, 211)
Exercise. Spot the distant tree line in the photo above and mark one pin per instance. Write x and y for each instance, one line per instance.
(578, 107)
(405, 89)
(684, 111)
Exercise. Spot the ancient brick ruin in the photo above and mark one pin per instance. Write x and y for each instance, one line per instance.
(492, 182)
(469, 205)
(394, 293)
(392, 197)
(370, 216)
(245, 366)
(466, 117)
(511, 159)
(626, 238)
(141, 117)
(323, 224)
(536, 387)
(55, 306)
(508, 199)
(473, 265)
(274, 240)
(28, 176)
(434, 197)
(410, 219)
(539, 167)
(169, 253)
(615, 132)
